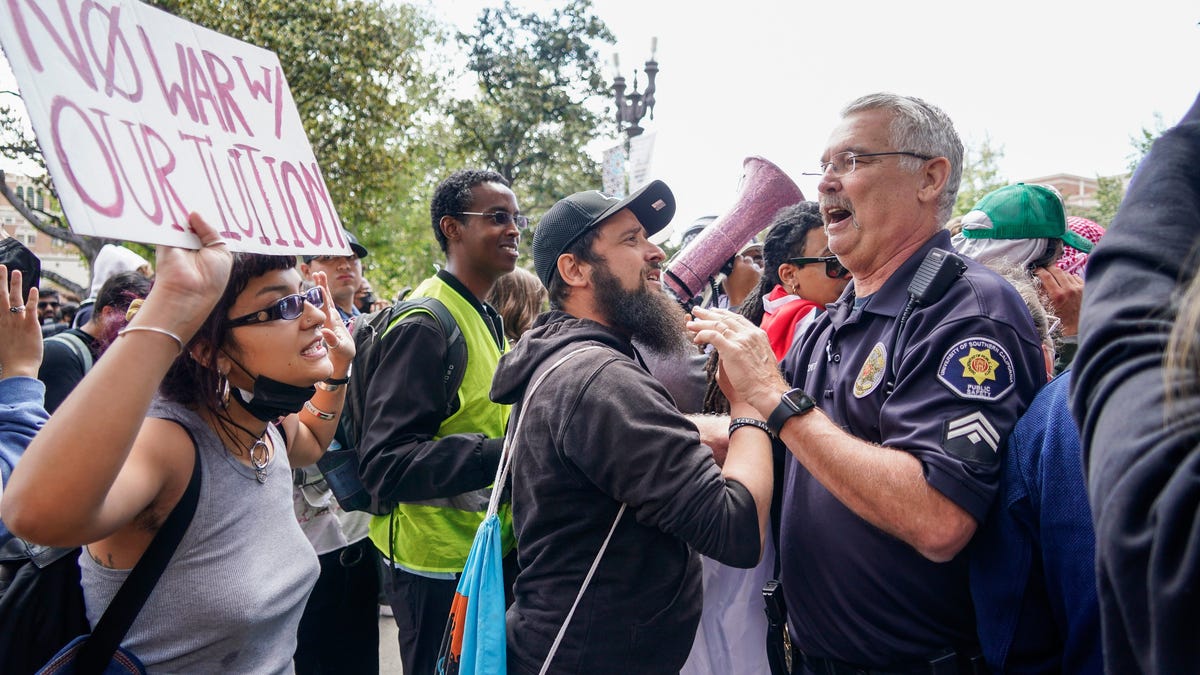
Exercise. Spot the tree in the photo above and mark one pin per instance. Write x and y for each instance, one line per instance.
(1111, 189)
(539, 79)
(981, 175)
(17, 142)
(357, 70)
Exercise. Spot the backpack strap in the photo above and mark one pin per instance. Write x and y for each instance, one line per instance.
(77, 346)
(456, 344)
(100, 646)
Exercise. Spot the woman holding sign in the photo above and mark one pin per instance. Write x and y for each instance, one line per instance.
(233, 349)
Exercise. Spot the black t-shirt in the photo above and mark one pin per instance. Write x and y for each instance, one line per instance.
(62, 368)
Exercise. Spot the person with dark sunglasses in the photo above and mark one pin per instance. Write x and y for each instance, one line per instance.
(226, 373)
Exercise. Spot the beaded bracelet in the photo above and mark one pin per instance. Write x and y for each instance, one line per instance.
(739, 422)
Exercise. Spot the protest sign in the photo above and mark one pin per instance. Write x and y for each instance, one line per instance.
(143, 117)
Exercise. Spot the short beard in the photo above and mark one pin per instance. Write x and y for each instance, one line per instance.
(647, 314)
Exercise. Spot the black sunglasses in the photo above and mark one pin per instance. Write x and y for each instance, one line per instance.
(288, 308)
(833, 267)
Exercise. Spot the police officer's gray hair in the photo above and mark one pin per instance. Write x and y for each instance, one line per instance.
(922, 128)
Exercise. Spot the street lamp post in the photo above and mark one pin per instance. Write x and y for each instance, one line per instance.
(632, 107)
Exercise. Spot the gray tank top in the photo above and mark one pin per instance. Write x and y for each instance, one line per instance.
(231, 598)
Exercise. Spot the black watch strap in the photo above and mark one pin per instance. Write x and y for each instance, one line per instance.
(793, 402)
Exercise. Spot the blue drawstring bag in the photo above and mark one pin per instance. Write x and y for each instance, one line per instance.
(474, 643)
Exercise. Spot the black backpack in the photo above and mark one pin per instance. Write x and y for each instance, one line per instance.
(41, 604)
(340, 466)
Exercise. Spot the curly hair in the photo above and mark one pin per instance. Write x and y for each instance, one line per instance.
(194, 382)
(453, 196)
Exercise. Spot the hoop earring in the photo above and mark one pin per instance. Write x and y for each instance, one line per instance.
(223, 390)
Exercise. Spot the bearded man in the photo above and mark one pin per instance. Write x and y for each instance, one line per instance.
(601, 434)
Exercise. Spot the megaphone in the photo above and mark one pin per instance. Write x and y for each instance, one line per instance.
(765, 189)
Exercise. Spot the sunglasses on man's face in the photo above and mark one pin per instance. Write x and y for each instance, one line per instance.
(288, 309)
(833, 267)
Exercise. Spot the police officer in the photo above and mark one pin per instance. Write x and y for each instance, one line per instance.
(899, 403)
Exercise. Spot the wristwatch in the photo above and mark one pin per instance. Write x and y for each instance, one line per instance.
(794, 402)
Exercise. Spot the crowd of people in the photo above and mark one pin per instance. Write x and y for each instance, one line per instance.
(956, 445)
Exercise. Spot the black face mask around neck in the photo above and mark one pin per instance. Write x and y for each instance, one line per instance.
(271, 399)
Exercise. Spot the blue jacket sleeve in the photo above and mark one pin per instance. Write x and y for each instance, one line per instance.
(21, 416)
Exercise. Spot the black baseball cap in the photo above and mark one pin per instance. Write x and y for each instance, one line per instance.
(359, 249)
(653, 205)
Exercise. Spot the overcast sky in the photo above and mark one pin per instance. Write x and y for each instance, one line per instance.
(1061, 86)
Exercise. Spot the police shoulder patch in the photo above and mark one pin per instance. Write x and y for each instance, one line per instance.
(977, 368)
(871, 373)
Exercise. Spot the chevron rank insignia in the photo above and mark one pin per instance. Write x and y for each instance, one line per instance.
(977, 368)
(971, 437)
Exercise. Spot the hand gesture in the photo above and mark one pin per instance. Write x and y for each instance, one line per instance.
(1065, 291)
(20, 331)
(337, 338)
(188, 282)
(748, 369)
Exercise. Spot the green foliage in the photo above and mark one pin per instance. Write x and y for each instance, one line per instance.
(1142, 141)
(1109, 192)
(981, 175)
(356, 71)
(530, 118)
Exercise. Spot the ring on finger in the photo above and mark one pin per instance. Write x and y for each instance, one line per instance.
(17, 310)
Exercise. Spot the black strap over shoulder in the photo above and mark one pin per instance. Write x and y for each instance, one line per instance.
(98, 651)
(456, 345)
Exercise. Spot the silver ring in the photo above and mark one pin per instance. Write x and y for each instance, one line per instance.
(17, 310)
(332, 345)
(218, 242)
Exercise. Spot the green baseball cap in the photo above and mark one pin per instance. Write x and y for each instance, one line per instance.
(1021, 212)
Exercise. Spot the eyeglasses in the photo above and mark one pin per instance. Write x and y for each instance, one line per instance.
(844, 163)
(288, 308)
(833, 267)
(500, 218)
(334, 259)
(1055, 326)
(44, 305)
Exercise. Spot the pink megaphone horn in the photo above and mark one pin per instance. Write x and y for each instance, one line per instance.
(765, 189)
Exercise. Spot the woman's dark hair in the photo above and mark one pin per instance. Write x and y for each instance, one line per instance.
(786, 238)
(120, 290)
(453, 196)
(193, 382)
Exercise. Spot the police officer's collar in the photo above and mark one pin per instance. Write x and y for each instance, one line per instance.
(891, 298)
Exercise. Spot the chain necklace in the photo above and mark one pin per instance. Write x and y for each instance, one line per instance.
(258, 451)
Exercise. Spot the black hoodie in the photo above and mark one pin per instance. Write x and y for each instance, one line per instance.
(598, 432)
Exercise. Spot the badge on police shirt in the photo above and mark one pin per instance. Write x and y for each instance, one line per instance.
(977, 368)
(871, 373)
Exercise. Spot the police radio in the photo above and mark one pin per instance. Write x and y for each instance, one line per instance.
(938, 271)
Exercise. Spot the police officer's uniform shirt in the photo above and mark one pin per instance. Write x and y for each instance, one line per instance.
(968, 366)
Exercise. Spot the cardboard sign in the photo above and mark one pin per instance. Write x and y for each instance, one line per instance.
(144, 117)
